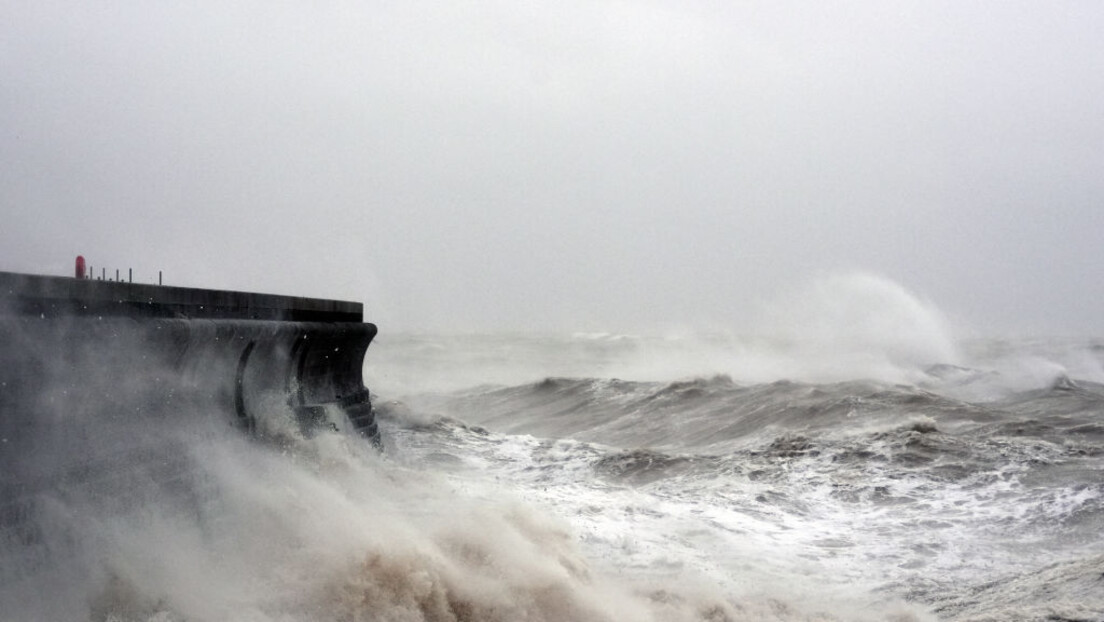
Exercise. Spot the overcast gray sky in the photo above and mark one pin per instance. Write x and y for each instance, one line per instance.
(565, 165)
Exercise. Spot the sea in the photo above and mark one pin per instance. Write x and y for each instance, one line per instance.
(868, 475)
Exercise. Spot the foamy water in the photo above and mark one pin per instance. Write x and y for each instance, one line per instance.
(810, 472)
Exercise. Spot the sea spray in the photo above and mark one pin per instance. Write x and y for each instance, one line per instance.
(840, 498)
(322, 528)
(609, 477)
(855, 325)
(840, 327)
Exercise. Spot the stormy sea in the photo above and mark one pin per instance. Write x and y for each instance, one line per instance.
(861, 473)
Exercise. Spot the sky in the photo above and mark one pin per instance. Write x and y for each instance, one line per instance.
(566, 166)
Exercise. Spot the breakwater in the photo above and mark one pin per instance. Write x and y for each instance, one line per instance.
(95, 374)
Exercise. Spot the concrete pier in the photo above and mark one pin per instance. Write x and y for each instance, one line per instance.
(92, 371)
(28, 294)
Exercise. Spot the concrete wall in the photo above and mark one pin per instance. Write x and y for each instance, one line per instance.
(101, 376)
(52, 296)
(76, 391)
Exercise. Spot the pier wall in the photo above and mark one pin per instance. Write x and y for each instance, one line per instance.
(92, 372)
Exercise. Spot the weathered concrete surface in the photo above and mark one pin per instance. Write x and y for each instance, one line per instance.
(27, 294)
(92, 371)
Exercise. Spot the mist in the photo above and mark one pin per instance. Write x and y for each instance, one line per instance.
(583, 167)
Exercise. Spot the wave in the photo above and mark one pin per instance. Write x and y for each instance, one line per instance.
(1062, 592)
(699, 414)
(592, 498)
(319, 529)
(323, 528)
(857, 325)
(839, 328)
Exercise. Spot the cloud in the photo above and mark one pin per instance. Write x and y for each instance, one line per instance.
(585, 166)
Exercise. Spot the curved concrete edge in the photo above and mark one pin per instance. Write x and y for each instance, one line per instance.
(77, 389)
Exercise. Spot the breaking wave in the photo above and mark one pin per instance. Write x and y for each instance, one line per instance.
(833, 469)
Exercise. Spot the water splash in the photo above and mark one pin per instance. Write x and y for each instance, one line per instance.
(854, 325)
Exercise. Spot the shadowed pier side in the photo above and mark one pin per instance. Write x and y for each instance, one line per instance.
(92, 369)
